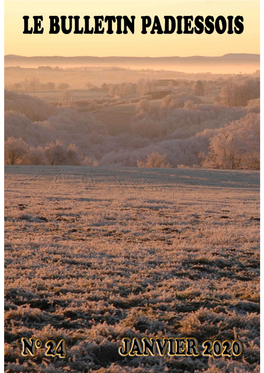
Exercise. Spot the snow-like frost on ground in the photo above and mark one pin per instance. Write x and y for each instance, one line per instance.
(96, 254)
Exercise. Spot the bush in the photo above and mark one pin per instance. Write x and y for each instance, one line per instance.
(15, 150)
(155, 160)
(236, 145)
(57, 153)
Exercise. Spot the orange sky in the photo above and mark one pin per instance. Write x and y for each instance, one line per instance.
(130, 45)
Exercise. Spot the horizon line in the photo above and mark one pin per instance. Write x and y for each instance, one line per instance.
(226, 54)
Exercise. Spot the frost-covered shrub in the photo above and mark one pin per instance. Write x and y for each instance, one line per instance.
(236, 145)
(57, 153)
(34, 156)
(239, 93)
(15, 149)
(155, 160)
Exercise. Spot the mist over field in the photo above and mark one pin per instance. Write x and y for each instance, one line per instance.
(229, 63)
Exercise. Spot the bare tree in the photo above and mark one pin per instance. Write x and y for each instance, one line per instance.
(57, 153)
(155, 160)
(15, 149)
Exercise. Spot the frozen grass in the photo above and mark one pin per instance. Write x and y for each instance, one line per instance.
(93, 255)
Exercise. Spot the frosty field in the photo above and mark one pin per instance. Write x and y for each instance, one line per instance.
(93, 255)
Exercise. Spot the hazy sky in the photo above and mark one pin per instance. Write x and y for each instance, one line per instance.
(130, 45)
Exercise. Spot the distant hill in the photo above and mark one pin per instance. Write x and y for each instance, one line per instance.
(233, 63)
